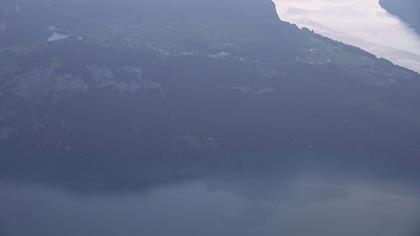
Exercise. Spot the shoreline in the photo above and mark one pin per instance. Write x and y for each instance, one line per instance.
(375, 37)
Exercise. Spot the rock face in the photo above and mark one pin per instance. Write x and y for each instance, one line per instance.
(193, 78)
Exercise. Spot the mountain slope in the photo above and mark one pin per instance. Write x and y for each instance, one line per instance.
(199, 78)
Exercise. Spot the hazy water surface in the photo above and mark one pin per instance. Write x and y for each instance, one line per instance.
(362, 23)
(225, 206)
(247, 195)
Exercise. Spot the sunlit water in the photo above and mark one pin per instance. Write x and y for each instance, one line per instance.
(362, 23)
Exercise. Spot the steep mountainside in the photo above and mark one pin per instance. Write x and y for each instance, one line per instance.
(201, 78)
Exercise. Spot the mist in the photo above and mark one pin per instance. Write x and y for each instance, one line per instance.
(361, 23)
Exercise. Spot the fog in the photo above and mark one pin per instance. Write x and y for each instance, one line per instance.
(363, 23)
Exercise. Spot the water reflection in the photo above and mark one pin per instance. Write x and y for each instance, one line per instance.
(190, 197)
(363, 23)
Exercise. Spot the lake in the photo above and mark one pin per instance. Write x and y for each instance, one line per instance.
(118, 197)
(362, 23)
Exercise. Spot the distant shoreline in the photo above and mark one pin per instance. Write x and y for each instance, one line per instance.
(377, 36)
(406, 10)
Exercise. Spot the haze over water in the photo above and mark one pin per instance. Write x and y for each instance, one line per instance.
(219, 207)
(362, 23)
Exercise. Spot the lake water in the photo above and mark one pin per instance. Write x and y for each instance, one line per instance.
(362, 23)
(247, 202)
